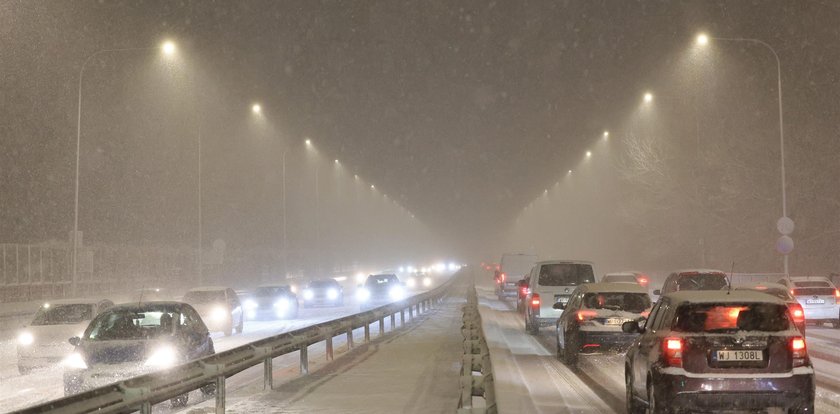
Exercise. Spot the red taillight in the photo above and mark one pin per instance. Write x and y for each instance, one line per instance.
(673, 349)
(502, 277)
(523, 291)
(837, 296)
(535, 300)
(643, 281)
(798, 351)
(797, 312)
(585, 315)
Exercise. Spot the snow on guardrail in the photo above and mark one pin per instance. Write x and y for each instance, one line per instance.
(476, 371)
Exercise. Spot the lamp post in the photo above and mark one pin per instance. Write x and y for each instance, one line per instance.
(168, 48)
(702, 40)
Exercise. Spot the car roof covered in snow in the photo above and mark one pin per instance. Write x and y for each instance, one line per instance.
(560, 261)
(721, 296)
(681, 271)
(612, 287)
(77, 301)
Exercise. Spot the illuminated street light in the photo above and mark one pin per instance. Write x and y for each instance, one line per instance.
(372, 187)
(648, 98)
(336, 161)
(168, 48)
(588, 154)
(570, 171)
(308, 142)
(702, 39)
(256, 108)
(606, 135)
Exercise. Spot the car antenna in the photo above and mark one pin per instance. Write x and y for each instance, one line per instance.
(142, 290)
(731, 274)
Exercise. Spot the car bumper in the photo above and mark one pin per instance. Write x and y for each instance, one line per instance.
(715, 394)
(597, 341)
(822, 313)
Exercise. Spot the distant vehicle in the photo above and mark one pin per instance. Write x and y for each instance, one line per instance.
(150, 295)
(418, 279)
(591, 321)
(44, 341)
(219, 307)
(271, 302)
(323, 292)
(521, 294)
(550, 282)
(133, 339)
(638, 278)
(379, 290)
(512, 268)
(782, 292)
(700, 279)
(718, 350)
(819, 298)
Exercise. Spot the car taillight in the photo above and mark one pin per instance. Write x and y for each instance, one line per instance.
(672, 350)
(797, 312)
(643, 281)
(535, 300)
(502, 277)
(585, 315)
(523, 291)
(837, 296)
(798, 351)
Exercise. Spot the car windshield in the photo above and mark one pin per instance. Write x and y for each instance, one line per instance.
(270, 291)
(131, 324)
(811, 284)
(619, 301)
(731, 317)
(205, 296)
(63, 314)
(565, 274)
(377, 280)
(701, 281)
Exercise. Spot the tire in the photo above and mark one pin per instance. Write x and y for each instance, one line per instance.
(180, 401)
(570, 351)
(807, 409)
(532, 328)
(560, 350)
(653, 406)
(632, 406)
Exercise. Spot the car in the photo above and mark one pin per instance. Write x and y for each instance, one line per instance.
(379, 290)
(133, 339)
(513, 266)
(43, 342)
(219, 307)
(591, 321)
(271, 301)
(819, 298)
(627, 277)
(418, 280)
(522, 293)
(782, 292)
(718, 350)
(693, 279)
(550, 282)
(323, 292)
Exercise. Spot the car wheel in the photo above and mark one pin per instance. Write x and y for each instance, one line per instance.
(809, 409)
(560, 350)
(209, 389)
(633, 406)
(533, 328)
(570, 350)
(180, 401)
(653, 405)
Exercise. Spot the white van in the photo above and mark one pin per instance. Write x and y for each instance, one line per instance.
(512, 268)
(550, 282)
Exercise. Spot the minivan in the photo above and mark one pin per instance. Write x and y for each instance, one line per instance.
(551, 282)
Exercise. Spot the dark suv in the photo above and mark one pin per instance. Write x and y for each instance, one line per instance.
(713, 351)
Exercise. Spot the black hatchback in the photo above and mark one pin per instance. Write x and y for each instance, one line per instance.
(713, 351)
(134, 339)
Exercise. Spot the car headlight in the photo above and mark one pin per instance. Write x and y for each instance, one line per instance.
(74, 361)
(308, 294)
(427, 281)
(282, 304)
(250, 304)
(163, 357)
(362, 294)
(332, 294)
(411, 283)
(218, 314)
(25, 338)
(396, 293)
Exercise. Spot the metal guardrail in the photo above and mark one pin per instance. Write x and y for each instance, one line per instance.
(140, 393)
(476, 370)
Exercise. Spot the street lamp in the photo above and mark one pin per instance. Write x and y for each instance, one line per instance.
(588, 154)
(702, 40)
(256, 108)
(606, 135)
(168, 49)
(648, 97)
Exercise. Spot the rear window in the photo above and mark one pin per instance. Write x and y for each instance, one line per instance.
(731, 317)
(818, 291)
(205, 296)
(811, 284)
(620, 279)
(63, 314)
(701, 281)
(565, 274)
(620, 301)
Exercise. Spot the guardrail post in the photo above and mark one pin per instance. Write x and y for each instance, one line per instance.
(393, 320)
(350, 338)
(220, 394)
(146, 408)
(268, 373)
(367, 332)
(402, 317)
(417, 309)
(410, 312)
(381, 326)
(330, 347)
(304, 359)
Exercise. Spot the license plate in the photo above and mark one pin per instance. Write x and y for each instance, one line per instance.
(752, 355)
(815, 301)
(561, 299)
(614, 321)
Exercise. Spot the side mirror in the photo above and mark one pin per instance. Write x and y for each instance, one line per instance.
(657, 292)
(631, 327)
(75, 341)
(559, 306)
